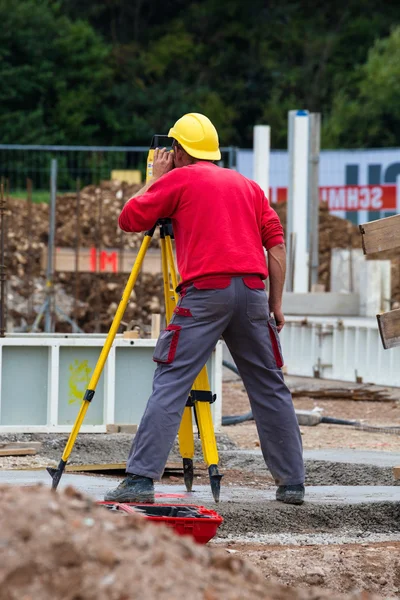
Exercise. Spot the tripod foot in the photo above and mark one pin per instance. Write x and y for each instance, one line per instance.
(56, 474)
(188, 473)
(215, 481)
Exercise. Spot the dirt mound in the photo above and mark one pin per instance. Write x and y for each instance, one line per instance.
(96, 296)
(340, 233)
(62, 546)
(333, 233)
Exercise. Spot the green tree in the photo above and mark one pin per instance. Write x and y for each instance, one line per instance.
(54, 76)
(116, 71)
(367, 114)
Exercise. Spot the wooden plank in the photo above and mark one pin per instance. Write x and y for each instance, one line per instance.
(381, 235)
(100, 467)
(170, 467)
(15, 445)
(358, 394)
(108, 260)
(155, 325)
(17, 451)
(396, 472)
(389, 328)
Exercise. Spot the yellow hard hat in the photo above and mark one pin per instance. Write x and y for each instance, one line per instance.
(197, 135)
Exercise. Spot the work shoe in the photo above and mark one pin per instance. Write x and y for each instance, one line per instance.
(290, 494)
(134, 488)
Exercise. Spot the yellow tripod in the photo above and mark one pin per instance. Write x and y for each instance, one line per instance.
(200, 397)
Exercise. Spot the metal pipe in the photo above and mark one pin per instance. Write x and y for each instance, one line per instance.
(89, 148)
(313, 197)
(289, 205)
(2, 263)
(28, 227)
(77, 246)
(121, 248)
(50, 255)
(98, 261)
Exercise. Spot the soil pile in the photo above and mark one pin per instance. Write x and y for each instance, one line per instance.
(333, 233)
(92, 299)
(340, 233)
(62, 546)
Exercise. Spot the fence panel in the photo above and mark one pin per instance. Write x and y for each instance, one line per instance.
(90, 164)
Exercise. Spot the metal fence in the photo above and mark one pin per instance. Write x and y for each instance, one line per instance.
(89, 164)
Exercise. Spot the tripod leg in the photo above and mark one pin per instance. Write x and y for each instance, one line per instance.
(57, 473)
(206, 430)
(186, 447)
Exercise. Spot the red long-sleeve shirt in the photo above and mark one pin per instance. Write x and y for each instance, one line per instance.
(221, 220)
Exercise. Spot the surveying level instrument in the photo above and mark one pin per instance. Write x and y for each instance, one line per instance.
(200, 398)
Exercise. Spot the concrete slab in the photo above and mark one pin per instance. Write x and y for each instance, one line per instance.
(362, 457)
(320, 304)
(337, 455)
(96, 486)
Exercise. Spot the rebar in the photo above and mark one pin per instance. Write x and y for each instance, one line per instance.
(49, 316)
(121, 247)
(97, 328)
(28, 228)
(77, 247)
(3, 299)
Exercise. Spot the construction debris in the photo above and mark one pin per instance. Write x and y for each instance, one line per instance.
(359, 394)
(17, 451)
(91, 299)
(19, 448)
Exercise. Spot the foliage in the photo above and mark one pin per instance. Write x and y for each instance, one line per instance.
(368, 114)
(116, 71)
(53, 72)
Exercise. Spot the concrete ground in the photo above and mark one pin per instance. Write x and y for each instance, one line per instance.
(96, 486)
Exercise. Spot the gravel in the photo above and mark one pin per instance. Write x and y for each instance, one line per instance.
(311, 539)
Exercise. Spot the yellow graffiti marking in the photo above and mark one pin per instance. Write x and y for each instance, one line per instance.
(78, 380)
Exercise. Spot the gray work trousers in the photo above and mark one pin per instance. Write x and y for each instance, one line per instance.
(241, 316)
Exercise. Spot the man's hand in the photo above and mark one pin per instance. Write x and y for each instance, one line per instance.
(279, 318)
(163, 162)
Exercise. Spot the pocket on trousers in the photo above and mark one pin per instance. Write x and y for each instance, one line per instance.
(207, 304)
(167, 345)
(276, 345)
(258, 311)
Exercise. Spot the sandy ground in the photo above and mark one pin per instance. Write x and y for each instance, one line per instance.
(342, 549)
(341, 567)
(323, 435)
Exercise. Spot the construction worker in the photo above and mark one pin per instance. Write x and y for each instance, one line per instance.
(221, 221)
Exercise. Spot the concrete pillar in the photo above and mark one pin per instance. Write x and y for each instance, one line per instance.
(398, 194)
(297, 216)
(261, 146)
(345, 277)
(374, 287)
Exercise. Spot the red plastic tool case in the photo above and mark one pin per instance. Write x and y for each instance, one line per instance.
(202, 527)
